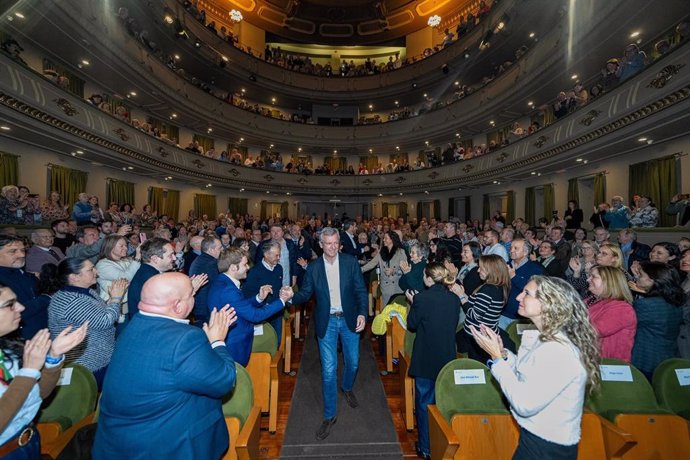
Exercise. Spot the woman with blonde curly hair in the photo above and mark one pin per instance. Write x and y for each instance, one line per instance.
(546, 382)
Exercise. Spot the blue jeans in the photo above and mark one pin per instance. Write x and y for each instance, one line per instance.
(31, 451)
(328, 348)
(424, 395)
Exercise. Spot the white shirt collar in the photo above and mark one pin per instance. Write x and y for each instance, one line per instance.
(268, 267)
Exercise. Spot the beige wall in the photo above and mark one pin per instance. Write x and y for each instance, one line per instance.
(252, 37)
(418, 41)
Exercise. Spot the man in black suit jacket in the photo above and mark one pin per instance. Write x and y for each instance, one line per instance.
(254, 243)
(206, 263)
(268, 271)
(348, 240)
(157, 256)
(193, 253)
(42, 252)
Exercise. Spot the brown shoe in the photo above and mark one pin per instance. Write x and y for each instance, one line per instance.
(325, 428)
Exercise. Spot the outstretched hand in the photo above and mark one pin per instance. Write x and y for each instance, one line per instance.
(361, 322)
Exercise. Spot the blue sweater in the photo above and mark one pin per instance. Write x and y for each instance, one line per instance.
(518, 283)
(25, 287)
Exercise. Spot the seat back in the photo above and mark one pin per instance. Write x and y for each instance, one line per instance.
(670, 394)
(480, 398)
(267, 341)
(614, 397)
(515, 328)
(400, 300)
(238, 403)
(71, 402)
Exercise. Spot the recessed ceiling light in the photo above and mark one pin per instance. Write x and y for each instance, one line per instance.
(380, 194)
(371, 150)
(531, 35)
(174, 115)
(19, 15)
(130, 167)
(168, 19)
(210, 130)
(241, 139)
(492, 122)
(132, 93)
(457, 83)
(268, 192)
(642, 139)
(457, 134)
(396, 103)
(74, 154)
(299, 149)
(635, 34)
(177, 57)
(335, 151)
(538, 174)
(426, 192)
(401, 194)
(241, 190)
(371, 106)
(80, 152)
(574, 76)
(530, 103)
(85, 62)
(224, 58)
(5, 128)
(397, 147)
(579, 160)
(533, 173)
(209, 185)
(288, 193)
(124, 168)
(585, 162)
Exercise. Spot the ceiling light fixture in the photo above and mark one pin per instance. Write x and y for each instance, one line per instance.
(85, 62)
(224, 58)
(5, 128)
(132, 93)
(177, 57)
(19, 15)
(531, 35)
(530, 103)
(236, 16)
(574, 76)
(174, 115)
(579, 160)
(434, 21)
(168, 19)
(397, 147)
(642, 139)
(80, 152)
(635, 34)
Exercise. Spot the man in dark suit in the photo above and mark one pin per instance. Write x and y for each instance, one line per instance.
(206, 263)
(42, 252)
(193, 253)
(267, 272)
(341, 308)
(250, 310)
(563, 248)
(162, 395)
(157, 256)
(349, 240)
(254, 243)
(24, 285)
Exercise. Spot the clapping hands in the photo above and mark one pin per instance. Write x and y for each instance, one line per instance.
(219, 322)
(68, 339)
(198, 281)
(118, 288)
(265, 290)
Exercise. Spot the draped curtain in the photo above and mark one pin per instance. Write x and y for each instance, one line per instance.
(206, 143)
(370, 162)
(264, 208)
(549, 201)
(336, 163)
(205, 204)
(657, 179)
(437, 209)
(9, 169)
(69, 183)
(402, 210)
(284, 208)
(451, 207)
(510, 214)
(384, 209)
(165, 202)
(419, 210)
(573, 190)
(238, 206)
(599, 188)
(119, 191)
(486, 208)
(529, 206)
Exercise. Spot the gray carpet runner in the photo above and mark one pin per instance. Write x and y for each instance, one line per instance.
(362, 433)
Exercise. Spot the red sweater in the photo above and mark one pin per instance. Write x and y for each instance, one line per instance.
(616, 323)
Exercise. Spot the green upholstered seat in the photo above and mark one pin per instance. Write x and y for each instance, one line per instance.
(69, 404)
(513, 333)
(613, 398)
(452, 399)
(240, 400)
(266, 342)
(670, 394)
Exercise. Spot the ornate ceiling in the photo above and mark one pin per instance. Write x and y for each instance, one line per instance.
(350, 22)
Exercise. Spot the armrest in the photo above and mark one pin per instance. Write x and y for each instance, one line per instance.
(616, 441)
(444, 443)
(55, 447)
(275, 360)
(389, 346)
(247, 444)
(49, 431)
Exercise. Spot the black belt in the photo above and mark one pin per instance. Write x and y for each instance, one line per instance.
(337, 314)
(21, 440)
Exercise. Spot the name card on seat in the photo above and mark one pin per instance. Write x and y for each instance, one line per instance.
(258, 329)
(469, 376)
(520, 328)
(65, 377)
(615, 373)
(683, 377)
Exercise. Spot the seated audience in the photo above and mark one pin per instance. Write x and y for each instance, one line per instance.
(520, 271)
(547, 258)
(42, 252)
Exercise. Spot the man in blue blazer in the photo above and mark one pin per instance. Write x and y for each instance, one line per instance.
(341, 308)
(162, 394)
(225, 289)
(268, 271)
(157, 256)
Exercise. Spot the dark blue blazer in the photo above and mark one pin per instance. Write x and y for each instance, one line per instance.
(292, 250)
(518, 283)
(249, 312)
(348, 247)
(353, 293)
(209, 265)
(189, 258)
(161, 396)
(260, 275)
(142, 275)
(25, 287)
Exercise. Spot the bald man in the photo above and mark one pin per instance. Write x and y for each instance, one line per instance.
(161, 396)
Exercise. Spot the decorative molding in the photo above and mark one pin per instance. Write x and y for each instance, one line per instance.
(590, 117)
(468, 168)
(665, 75)
(335, 182)
(367, 181)
(164, 153)
(302, 180)
(269, 178)
(66, 107)
(502, 157)
(199, 164)
(400, 179)
(122, 133)
(234, 172)
(433, 175)
(541, 140)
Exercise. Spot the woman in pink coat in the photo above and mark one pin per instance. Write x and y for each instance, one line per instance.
(611, 313)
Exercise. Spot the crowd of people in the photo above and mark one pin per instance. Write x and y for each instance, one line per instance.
(88, 283)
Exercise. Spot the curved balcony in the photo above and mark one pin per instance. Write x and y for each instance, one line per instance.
(654, 103)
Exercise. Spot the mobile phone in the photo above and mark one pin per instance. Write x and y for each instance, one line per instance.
(142, 237)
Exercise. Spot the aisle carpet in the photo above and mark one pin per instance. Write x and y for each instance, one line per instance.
(361, 433)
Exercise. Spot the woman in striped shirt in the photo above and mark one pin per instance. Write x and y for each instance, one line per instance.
(75, 303)
(484, 305)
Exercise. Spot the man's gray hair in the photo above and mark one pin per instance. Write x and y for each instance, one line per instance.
(329, 231)
(268, 245)
(421, 248)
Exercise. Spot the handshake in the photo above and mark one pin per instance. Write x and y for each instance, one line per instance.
(285, 292)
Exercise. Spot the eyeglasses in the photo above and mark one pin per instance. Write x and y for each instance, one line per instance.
(13, 304)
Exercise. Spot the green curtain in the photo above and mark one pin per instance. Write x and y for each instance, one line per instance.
(264, 206)
(119, 191)
(529, 206)
(205, 204)
(573, 190)
(237, 206)
(384, 209)
(402, 210)
(69, 183)
(486, 208)
(420, 208)
(205, 143)
(284, 209)
(657, 179)
(165, 202)
(549, 201)
(437, 209)
(599, 188)
(9, 169)
(468, 208)
(451, 207)
(510, 214)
